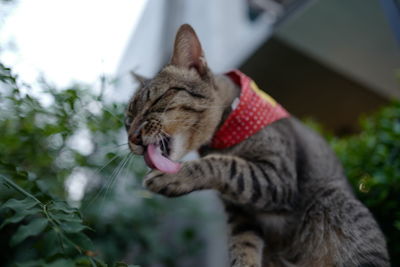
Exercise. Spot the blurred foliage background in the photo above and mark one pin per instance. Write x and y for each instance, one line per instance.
(49, 153)
(372, 163)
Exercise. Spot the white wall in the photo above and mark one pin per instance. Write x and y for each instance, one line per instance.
(227, 36)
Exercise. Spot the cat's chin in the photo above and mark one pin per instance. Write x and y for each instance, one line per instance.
(137, 150)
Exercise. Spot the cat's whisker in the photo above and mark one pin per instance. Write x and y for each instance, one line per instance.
(120, 146)
(97, 195)
(115, 174)
(122, 168)
(159, 138)
(165, 133)
(143, 124)
(108, 163)
(117, 170)
(164, 146)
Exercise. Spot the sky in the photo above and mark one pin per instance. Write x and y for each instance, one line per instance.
(68, 40)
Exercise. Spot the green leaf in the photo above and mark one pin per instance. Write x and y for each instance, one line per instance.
(19, 216)
(73, 227)
(17, 188)
(98, 262)
(19, 205)
(51, 243)
(62, 206)
(82, 241)
(33, 263)
(33, 228)
(123, 264)
(61, 263)
(397, 225)
(68, 217)
(85, 261)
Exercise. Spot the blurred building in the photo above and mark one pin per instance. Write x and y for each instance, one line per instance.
(226, 29)
(335, 61)
(329, 60)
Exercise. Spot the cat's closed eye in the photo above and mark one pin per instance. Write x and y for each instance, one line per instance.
(191, 93)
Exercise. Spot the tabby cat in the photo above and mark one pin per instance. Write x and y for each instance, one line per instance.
(287, 200)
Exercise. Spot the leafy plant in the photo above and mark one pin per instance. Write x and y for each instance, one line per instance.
(46, 149)
(372, 163)
(55, 226)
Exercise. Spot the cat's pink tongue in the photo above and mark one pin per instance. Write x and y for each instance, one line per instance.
(155, 160)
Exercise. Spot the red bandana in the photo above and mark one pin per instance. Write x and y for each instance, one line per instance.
(255, 110)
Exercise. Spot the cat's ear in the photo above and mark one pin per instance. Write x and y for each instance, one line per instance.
(138, 78)
(187, 50)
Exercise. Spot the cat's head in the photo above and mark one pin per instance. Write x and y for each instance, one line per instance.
(179, 109)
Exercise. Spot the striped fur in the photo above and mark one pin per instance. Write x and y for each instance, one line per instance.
(288, 202)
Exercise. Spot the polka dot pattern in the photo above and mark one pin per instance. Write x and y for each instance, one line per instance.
(255, 110)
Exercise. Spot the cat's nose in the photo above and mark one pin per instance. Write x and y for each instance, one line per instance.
(136, 138)
(135, 133)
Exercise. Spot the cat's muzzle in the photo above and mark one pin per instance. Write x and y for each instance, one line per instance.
(138, 146)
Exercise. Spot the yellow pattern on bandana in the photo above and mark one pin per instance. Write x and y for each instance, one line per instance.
(261, 93)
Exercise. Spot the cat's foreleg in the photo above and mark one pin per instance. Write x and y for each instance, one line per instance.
(192, 176)
(245, 239)
(245, 250)
(262, 185)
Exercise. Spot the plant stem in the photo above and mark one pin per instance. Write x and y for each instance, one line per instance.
(19, 189)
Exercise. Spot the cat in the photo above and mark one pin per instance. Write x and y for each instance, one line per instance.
(287, 200)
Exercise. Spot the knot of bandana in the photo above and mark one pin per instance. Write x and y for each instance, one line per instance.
(255, 110)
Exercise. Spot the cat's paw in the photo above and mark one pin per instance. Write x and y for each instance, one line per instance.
(170, 185)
